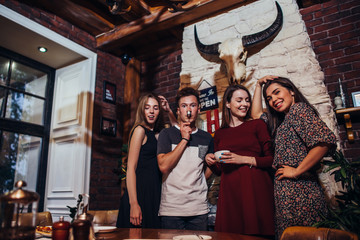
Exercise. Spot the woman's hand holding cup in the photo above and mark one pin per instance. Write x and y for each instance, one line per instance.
(219, 154)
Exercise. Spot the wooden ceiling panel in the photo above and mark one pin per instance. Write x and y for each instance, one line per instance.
(146, 20)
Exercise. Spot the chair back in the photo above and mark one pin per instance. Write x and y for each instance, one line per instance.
(309, 233)
(104, 217)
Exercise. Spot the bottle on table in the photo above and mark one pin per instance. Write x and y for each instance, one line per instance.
(81, 227)
(61, 229)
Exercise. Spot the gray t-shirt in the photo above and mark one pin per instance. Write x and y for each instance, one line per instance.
(184, 190)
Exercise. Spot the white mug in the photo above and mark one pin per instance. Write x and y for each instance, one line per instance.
(218, 154)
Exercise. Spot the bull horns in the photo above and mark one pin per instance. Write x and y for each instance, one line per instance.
(248, 40)
(259, 37)
(212, 49)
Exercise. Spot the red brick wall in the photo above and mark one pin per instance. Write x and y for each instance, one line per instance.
(104, 187)
(334, 30)
(106, 150)
(162, 75)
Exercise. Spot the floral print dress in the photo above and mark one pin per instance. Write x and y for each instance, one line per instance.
(299, 202)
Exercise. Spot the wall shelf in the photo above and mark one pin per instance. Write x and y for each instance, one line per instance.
(346, 114)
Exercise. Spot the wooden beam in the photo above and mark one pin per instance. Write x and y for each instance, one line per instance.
(161, 20)
(131, 95)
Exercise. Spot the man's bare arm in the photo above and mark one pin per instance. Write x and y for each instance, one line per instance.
(167, 161)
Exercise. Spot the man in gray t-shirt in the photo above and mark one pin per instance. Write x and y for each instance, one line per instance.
(181, 152)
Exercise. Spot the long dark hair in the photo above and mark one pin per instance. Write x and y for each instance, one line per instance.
(226, 114)
(276, 118)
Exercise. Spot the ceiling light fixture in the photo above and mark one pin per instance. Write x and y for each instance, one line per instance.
(125, 58)
(42, 49)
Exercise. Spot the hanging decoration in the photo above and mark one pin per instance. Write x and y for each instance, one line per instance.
(209, 103)
(208, 98)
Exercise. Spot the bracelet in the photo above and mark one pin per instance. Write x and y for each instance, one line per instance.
(185, 139)
(251, 164)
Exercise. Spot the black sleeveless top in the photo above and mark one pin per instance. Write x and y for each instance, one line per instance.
(148, 187)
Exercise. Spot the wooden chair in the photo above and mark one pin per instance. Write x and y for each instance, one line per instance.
(309, 233)
(104, 217)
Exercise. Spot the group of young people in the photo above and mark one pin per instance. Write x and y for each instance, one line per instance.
(166, 184)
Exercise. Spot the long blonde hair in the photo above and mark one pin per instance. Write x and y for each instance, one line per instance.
(140, 118)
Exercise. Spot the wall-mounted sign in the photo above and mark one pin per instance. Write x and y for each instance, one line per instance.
(208, 99)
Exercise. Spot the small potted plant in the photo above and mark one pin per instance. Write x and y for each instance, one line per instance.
(346, 215)
(73, 210)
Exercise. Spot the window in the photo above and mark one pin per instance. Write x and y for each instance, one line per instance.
(26, 90)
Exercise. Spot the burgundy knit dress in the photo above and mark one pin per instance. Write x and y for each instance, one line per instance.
(246, 201)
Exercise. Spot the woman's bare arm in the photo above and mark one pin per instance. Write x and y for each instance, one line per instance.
(312, 158)
(165, 106)
(134, 151)
(256, 105)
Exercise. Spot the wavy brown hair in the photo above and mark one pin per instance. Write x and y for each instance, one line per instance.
(226, 113)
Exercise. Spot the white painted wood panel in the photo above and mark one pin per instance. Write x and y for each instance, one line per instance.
(69, 149)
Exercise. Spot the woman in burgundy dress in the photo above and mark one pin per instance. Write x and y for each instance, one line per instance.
(301, 141)
(246, 202)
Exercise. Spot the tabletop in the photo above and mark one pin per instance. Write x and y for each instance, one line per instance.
(139, 233)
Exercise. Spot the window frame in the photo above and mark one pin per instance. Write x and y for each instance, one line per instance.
(42, 131)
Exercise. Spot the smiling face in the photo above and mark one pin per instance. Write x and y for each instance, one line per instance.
(151, 111)
(186, 104)
(279, 98)
(239, 104)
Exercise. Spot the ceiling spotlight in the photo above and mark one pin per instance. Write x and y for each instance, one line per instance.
(125, 58)
(42, 49)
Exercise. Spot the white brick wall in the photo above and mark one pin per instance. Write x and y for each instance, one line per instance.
(289, 55)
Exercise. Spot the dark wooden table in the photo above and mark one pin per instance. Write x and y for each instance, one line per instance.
(138, 233)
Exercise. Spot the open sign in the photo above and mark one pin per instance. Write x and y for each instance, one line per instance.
(208, 99)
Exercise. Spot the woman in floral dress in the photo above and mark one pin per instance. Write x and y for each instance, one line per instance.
(301, 140)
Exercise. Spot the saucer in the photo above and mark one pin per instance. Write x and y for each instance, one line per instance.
(192, 237)
(104, 229)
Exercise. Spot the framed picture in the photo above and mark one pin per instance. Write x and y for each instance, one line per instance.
(109, 94)
(356, 99)
(108, 127)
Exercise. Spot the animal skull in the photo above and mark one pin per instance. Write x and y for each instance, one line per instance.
(233, 51)
(234, 55)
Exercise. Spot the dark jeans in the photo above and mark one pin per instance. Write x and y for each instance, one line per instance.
(189, 223)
